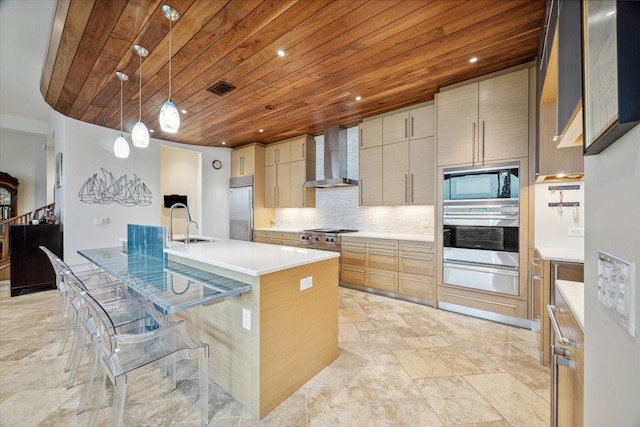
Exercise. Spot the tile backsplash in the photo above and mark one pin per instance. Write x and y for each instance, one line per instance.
(339, 207)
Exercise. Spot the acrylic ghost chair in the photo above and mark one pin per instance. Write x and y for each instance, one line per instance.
(126, 307)
(92, 276)
(121, 352)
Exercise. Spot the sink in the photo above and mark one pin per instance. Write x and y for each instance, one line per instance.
(193, 240)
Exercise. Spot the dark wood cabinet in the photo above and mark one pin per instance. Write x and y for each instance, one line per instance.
(30, 267)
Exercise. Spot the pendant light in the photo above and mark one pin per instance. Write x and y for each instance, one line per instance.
(140, 133)
(121, 146)
(169, 116)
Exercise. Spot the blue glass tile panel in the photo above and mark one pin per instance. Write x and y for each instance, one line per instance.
(146, 238)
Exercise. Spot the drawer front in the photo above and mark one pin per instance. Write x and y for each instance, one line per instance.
(260, 236)
(353, 256)
(354, 274)
(416, 263)
(416, 285)
(409, 246)
(291, 240)
(382, 279)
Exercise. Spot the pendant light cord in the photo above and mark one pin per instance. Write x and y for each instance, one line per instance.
(140, 90)
(170, 22)
(121, 108)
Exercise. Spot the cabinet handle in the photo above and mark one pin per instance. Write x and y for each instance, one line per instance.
(381, 254)
(353, 269)
(412, 126)
(405, 128)
(381, 275)
(417, 257)
(473, 142)
(361, 185)
(412, 189)
(242, 165)
(482, 142)
(556, 329)
(302, 153)
(361, 133)
(277, 155)
(406, 189)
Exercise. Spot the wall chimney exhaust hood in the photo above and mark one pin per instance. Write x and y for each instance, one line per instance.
(335, 161)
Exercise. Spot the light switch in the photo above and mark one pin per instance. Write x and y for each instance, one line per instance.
(246, 319)
(617, 289)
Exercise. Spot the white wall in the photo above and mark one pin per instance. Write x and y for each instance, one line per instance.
(87, 148)
(339, 207)
(612, 356)
(180, 169)
(22, 156)
(553, 223)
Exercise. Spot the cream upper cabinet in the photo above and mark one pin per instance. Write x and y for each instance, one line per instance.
(370, 185)
(288, 164)
(406, 125)
(301, 196)
(371, 133)
(243, 161)
(422, 171)
(302, 148)
(277, 185)
(395, 173)
(484, 121)
(408, 171)
(277, 153)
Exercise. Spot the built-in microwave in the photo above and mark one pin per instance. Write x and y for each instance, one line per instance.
(497, 182)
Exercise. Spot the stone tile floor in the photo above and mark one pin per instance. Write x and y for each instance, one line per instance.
(400, 364)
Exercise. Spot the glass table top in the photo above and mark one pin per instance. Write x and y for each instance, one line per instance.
(170, 285)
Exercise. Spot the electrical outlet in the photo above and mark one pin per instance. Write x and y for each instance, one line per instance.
(576, 231)
(617, 289)
(306, 283)
(105, 220)
(97, 220)
(246, 319)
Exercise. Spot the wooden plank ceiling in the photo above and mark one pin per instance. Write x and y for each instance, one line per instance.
(392, 53)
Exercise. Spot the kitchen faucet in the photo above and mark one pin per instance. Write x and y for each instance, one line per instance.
(188, 218)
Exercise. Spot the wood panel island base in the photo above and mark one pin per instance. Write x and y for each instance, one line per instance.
(267, 343)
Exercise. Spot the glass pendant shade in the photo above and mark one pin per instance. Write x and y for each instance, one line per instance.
(140, 135)
(121, 147)
(169, 117)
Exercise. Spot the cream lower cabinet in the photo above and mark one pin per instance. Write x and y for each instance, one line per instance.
(415, 269)
(370, 263)
(402, 268)
(282, 238)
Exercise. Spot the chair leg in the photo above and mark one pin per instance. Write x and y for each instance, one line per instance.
(203, 365)
(119, 397)
(57, 319)
(76, 356)
(71, 323)
(94, 414)
(94, 360)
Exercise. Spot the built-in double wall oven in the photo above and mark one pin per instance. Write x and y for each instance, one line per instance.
(481, 228)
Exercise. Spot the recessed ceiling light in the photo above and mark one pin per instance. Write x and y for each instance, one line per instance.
(281, 52)
(358, 98)
(260, 130)
(473, 60)
(224, 142)
(183, 111)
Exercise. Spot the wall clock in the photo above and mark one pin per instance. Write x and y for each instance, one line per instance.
(216, 164)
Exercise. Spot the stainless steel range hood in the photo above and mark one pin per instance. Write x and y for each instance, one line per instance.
(335, 161)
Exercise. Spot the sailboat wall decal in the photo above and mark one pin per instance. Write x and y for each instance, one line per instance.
(103, 188)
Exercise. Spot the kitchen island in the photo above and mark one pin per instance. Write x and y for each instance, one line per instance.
(267, 343)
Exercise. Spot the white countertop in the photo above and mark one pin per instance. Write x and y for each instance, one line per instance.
(573, 294)
(279, 230)
(391, 236)
(254, 259)
(561, 254)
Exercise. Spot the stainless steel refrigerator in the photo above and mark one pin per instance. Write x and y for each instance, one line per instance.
(241, 208)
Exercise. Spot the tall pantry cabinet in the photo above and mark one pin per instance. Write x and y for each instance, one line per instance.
(484, 122)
